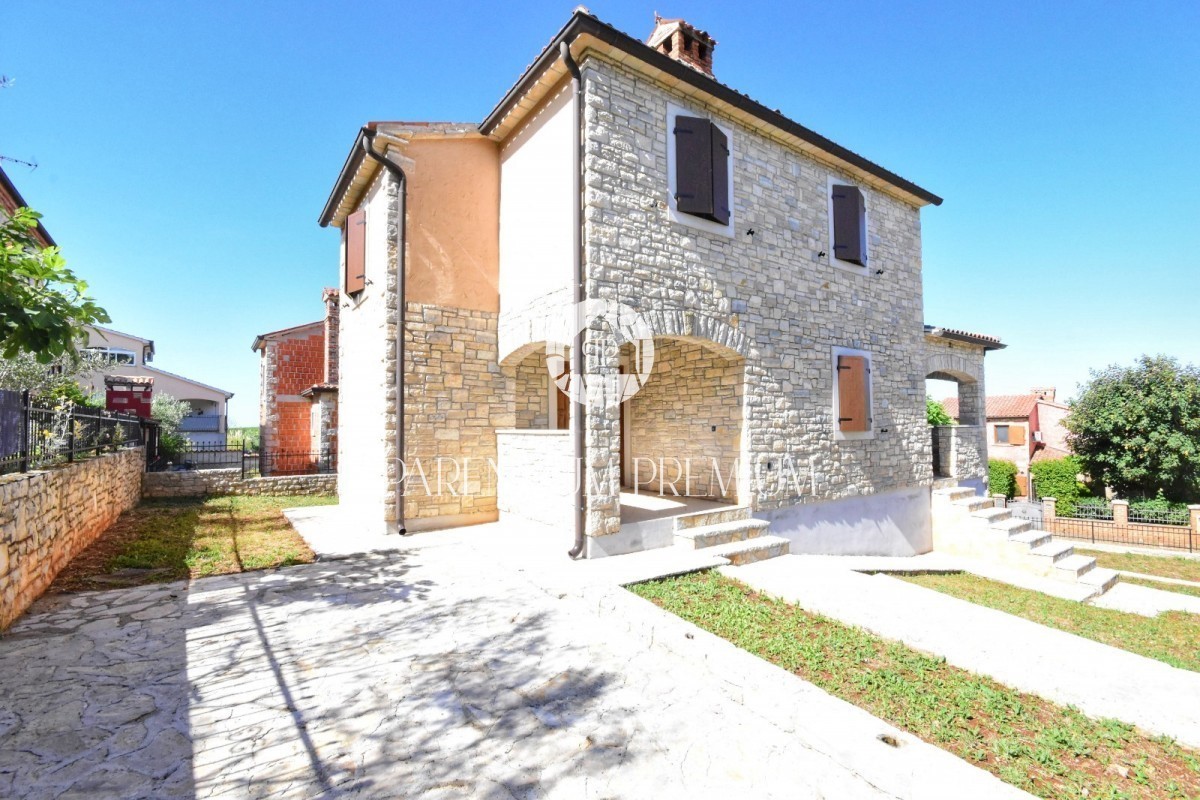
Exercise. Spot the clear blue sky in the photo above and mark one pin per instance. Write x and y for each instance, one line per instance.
(186, 148)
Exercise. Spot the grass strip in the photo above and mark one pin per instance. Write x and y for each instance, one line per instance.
(1046, 749)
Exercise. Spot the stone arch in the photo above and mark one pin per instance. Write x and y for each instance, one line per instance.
(710, 332)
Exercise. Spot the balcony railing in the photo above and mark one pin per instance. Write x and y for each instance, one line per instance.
(203, 423)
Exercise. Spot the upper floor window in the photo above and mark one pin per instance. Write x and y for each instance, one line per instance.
(1009, 434)
(354, 233)
(848, 224)
(700, 172)
(117, 355)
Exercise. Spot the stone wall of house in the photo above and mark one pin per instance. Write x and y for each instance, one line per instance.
(686, 418)
(456, 396)
(537, 478)
(199, 483)
(775, 289)
(531, 390)
(47, 517)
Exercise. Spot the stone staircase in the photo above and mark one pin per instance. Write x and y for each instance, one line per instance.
(731, 533)
(968, 525)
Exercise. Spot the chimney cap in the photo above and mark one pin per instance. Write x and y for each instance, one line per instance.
(699, 58)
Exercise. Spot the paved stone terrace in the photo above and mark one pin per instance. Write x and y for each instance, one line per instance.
(422, 673)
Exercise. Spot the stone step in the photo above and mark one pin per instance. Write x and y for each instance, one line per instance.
(955, 493)
(1073, 567)
(992, 514)
(973, 503)
(714, 516)
(1101, 578)
(1012, 526)
(738, 530)
(758, 549)
(1030, 539)
(1052, 552)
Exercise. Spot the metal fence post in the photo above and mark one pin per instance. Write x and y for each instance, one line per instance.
(243, 462)
(26, 423)
(71, 434)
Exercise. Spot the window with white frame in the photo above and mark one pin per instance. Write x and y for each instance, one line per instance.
(847, 225)
(699, 171)
(852, 401)
(117, 355)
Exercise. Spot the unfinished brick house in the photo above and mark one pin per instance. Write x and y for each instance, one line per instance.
(733, 290)
(297, 412)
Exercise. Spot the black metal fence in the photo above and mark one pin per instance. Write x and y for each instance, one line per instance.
(1143, 534)
(34, 437)
(250, 463)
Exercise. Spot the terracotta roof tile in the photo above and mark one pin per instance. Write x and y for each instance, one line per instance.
(1001, 406)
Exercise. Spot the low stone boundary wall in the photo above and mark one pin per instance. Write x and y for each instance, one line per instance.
(48, 516)
(201, 482)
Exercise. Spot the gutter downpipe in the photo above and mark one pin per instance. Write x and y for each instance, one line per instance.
(578, 409)
(401, 305)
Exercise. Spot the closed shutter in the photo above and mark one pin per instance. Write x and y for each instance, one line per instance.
(720, 176)
(849, 218)
(693, 166)
(1016, 434)
(355, 234)
(853, 394)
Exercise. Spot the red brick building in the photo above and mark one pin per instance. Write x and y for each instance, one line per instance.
(298, 394)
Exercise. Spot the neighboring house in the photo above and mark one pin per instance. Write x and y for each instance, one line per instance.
(775, 274)
(1023, 428)
(130, 356)
(298, 369)
(11, 200)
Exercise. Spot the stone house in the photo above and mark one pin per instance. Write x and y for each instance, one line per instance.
(1023, 429)
(297, 400)
(740, 296)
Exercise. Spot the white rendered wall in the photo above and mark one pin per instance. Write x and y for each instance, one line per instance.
(890, 523)
(536, 221)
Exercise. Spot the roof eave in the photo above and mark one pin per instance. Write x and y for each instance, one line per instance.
(583, 23)
(986, 342)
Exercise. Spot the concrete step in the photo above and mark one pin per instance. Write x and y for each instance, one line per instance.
(992, 514)
(715, 516)
(955, 493)
(759, 548)
(1101, 578)
(973, 503)
(738, 530)
(1030, 539)
(1073, 567)
(1012, 526)
(1052, 552)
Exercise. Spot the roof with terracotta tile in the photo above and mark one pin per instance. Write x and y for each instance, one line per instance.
(1045, 452)
(1001, 406)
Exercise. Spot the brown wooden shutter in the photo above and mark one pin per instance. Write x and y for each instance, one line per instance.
(693, 166)
(355, 232)
(720, 176)
(853, 394)
(849, 218)
(1016, 434)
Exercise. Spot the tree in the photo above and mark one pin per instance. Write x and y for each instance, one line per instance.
(43, 305)
(59, 378)
(1137, 429)
(170, 413)
(935, 413)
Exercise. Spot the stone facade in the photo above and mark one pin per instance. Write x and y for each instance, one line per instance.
(531, 391)
(775, 288)
(456, 396)
(961, 450)
(686, 418)
(48, 517)
(198, 483)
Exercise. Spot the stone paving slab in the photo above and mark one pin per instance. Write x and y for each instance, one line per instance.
(1101, 681)
(424, 673)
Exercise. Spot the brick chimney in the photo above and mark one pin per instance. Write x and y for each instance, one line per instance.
(1044, 392)
(684, 43)
(331, 298)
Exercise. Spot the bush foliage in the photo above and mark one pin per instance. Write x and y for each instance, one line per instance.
(1002, 477)
(1059, 478)
(935, 412)
(1137, 429)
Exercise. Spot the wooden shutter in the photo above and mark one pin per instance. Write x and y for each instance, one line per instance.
(693, 166)
(849, 218)
(1016, 434)
(853, 394)
(720, 175)
(355, 234)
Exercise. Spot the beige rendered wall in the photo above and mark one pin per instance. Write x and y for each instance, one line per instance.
(1050, 423)
(1017, 454)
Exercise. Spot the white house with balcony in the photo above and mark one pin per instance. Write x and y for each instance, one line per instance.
(130, 356)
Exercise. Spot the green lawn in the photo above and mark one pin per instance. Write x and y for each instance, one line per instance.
(1173, 637)
(172, 539)
(1046, 749)
(1187, 569)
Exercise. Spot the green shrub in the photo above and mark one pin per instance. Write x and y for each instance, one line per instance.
(935, 413)
(1002, 477)
(1059, 478)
